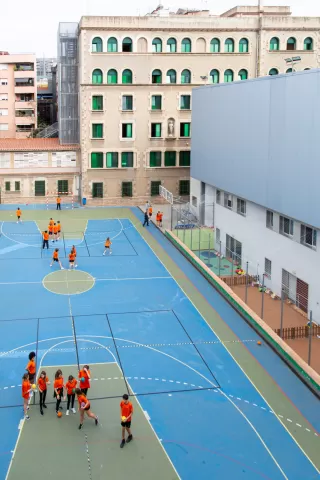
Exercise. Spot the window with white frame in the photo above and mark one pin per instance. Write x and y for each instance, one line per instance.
(308, 236)
(3, 112)
(269, 219)
(4, 159)
(3, 81)
(286, 226)
(218, 197)
(4, 127)
(267, 267)
(3, 66)
(241, 206)
(64, 159)
(3, 96)
(30, 159)
(227, 200)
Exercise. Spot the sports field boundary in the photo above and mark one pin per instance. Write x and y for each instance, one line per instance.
(299, 366)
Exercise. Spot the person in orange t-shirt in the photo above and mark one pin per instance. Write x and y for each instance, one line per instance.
(74, 251)
(59, 229)
(50, 230)
(160, 219)
(72, 258)
(58, 389)
(43, 381)
(85, 376)
(51, 222)
(18, 213)
(84, 406)
(150, 212)
(71, 386)
(26, 389)
(107, 246)
(31, 367)
(126, 412)
(45, 236)
(58, 202)
(55, 258)
(55, 232)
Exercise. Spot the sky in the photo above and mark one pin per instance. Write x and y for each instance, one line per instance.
(32, 26)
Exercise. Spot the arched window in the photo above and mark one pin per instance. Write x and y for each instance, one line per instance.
(171, 76)
(112, 45)
(97, 45)
(185, 76)
(127, 45)
(171, 45)
(97, 76)
(274, 43)
(156, 76)
(243, 74)
(157, 45)
(308, 44)
(127, 76)
(186, 45)
(215, 45)
(215, 76)
(273, 71)
(243, 45)
(289, 70)
(291, 43)
(229, 45)
(228, 76)
(112, 76)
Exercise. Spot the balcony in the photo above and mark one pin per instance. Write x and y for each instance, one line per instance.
(20, 104)
(24, 85)
(25, 120)
(23, 67)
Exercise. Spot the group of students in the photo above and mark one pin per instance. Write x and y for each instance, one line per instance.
(52, 233)
(148, 215)
(72, 390)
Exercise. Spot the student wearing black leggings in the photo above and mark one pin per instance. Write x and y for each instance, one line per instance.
(71, 386)
(43, 381)
(58, 389)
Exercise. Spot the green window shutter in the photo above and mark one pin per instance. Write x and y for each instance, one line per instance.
(17, 186)
(96, 160)
(97, 102)
(184, 158)
(39, 188)
(112, 45)
(155, 159)
(8, 187)
(97, 130)
(63, 187)
(112, 160)
(97, 190)
(158, 129)
(156, 102)
(184, 187)
(155, 188)
(185, 102)
(97, 76)
(127, 159)
(170, 159)
(127, 102)
(184, 129)
(128, 130)
(127, 189)
(112, 76)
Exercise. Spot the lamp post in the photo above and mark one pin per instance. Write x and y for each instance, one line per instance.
(292, 61)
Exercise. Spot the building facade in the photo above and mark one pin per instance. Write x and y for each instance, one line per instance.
(259, 166)
(34, 170)
(18, 95)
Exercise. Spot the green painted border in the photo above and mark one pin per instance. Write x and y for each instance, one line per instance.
(298, 369)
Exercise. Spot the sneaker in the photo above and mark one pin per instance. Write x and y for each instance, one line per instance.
(67, 412)
(96, 421)
(103, 253)
(41, 411)
(130, 437)
(28, 408)
(27, 416)
(80, 426)
(44, 406)
(62, 268)
(50, 265)
(122, 444)
(74, 410)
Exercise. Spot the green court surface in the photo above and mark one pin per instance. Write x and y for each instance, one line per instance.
(196, 238)
(54, 447)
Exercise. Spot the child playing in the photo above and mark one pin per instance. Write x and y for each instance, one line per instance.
(71, 260)
(107, 246)
(26, 389)
(55, 232)
(50, 230)
(73, 249)
(160, 219)
(45, 236)
(126, 412)
(31, 367)
(43, 381)
(55, 258)
(18, 213)
(150, 211)
(84, 406)
(58, 389)
(70, 386)
(85, 376)
(59, 230)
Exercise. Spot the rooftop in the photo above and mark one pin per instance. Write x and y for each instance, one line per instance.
(34, 144)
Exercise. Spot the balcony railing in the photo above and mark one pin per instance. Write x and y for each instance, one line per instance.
(24, 82)
(24, 68)
(24, 113)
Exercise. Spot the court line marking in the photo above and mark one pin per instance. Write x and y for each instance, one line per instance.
(236, 362)
(79, 281)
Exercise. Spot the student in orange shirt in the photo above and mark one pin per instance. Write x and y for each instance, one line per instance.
(71, 386)
(126, 412)
(73, 249)
(107, 246)
(26, 389)
(72, 258)
(84, 406)
(58, 389)
(59, 230)
(55, 258)
(150, 211)
(50, 230)
(43, 381)
(85, 376)
(160, 219)
(55, 232)
(58, 203)
(45, 236)
(18, 213)
(31, 367)
(51, 222)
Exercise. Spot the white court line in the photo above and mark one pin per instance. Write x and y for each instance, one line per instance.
(254, 386)
(80, 281)
(75, 365)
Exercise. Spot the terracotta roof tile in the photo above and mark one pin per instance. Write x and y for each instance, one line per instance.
(33, 144)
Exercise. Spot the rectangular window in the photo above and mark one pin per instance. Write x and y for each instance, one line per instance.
(170, 159)
(3, 96)
(127, 159)
(17, 186)
(267, 267)
(286, 226)
(112, 160)
(96, 160)
(184, 187)
(3, 81)
(269, 220)
(97, 102)
(218, 197)
(97, 190)
(4, 127)
(3, 112)
(184, 158)
(241, 206)
(127, 130)
(127, 189)
(155, 188)
(39, 188)
(97, 130)
(308, 236)
(63, 187)
(185, 129)
(185, 102)
(7, 186)
(194, 201)
(127, 103)
(155, 130)
(228, 200)
(156, 102)
(155, 159)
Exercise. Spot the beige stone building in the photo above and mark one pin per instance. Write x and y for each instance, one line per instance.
(136, 76)
(18, 95)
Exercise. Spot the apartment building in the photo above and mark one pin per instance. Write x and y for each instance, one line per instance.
(18, 95)
(259, 166)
